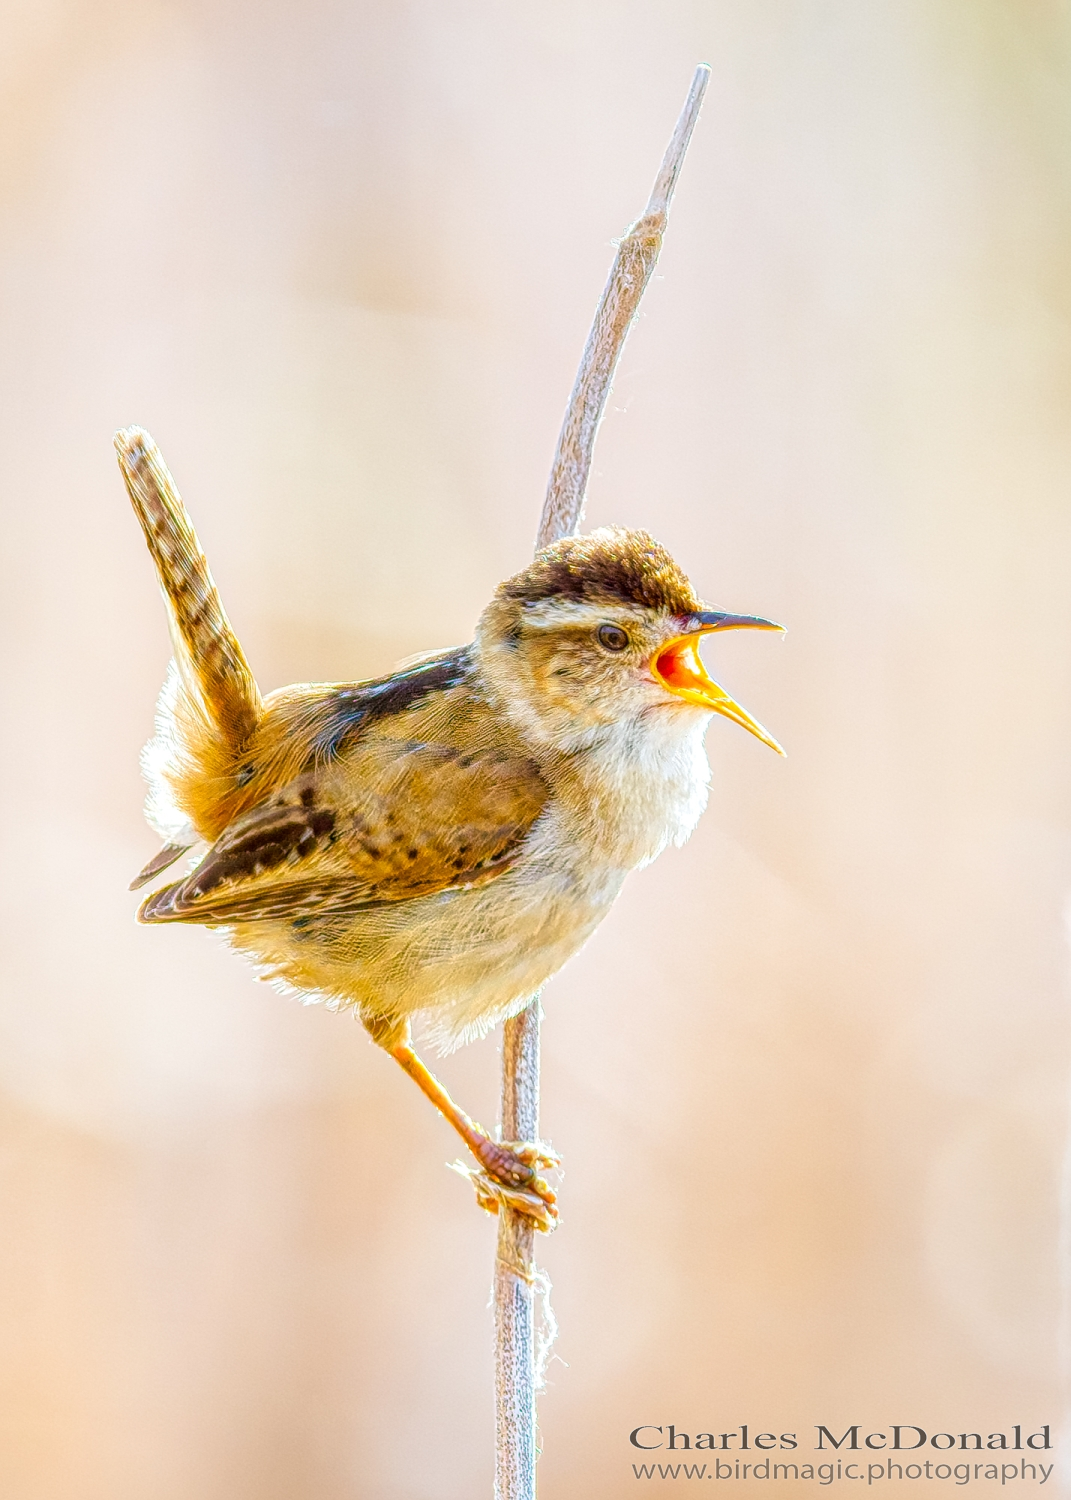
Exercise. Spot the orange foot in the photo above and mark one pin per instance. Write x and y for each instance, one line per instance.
(508, 1176)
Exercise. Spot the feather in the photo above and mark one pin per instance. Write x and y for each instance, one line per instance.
(159, 862)
(392, 821)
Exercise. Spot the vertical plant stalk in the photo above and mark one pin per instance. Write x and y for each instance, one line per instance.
(516, 1376)
(514, 1293)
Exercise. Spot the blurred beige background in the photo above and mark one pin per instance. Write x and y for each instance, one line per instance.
(810, 1079)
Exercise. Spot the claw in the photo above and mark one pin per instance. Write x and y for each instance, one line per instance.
(537, 1201)
(508, 1176)
(534, 1154)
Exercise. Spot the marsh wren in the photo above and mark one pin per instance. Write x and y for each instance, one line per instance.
(438, 842)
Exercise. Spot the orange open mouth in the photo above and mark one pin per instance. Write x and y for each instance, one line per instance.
(679, 668)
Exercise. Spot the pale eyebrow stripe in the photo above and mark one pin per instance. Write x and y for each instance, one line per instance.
(548, 613)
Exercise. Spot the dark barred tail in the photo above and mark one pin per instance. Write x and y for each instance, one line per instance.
(211, 661)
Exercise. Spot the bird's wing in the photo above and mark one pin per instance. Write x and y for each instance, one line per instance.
(393, 821)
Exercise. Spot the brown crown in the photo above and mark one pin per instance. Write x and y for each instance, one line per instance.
(609, 566)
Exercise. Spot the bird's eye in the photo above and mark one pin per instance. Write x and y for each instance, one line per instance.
(612, 637)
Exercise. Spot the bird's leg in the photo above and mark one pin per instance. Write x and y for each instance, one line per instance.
(510, 1171)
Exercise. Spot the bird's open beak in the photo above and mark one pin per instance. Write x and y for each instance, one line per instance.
(679, 668)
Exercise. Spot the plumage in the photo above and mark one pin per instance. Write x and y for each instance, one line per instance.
(158, 864)
(437, 842)
(609, 567)
(387, 820)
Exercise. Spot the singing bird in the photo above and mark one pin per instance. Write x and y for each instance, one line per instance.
(438, 842)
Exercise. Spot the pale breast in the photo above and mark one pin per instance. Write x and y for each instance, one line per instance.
(641, 789)
(468, 958)
(464, 958)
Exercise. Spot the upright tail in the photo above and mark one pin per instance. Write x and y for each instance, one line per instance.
(213, 668)
(209, 711)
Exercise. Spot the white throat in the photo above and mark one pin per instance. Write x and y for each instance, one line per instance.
(646, 782)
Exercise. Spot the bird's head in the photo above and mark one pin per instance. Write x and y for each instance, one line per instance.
(604, 630)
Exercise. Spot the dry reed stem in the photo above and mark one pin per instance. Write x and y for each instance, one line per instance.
(516, 1379)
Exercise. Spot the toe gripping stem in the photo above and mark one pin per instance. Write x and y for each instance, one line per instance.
(514, 1183)
(509, 1171)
